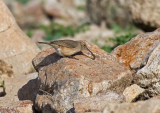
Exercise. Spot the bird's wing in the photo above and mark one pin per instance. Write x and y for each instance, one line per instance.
(66, 43)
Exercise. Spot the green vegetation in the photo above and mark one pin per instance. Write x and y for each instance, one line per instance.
(55, 31)
(2, 84)
(29, 33)
(81, 8)
(23, 1)
(118, 29)
(118, 40)
(123, 35)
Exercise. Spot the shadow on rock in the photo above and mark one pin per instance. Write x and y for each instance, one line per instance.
(29, 90)
(50, 59)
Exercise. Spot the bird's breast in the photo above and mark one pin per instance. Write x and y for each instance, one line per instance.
(64, 51)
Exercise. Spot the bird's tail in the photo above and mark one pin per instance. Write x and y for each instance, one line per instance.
(44, 43)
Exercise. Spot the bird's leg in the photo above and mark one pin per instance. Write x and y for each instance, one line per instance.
(72, 57)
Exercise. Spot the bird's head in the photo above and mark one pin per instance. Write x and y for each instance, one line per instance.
(84, 47)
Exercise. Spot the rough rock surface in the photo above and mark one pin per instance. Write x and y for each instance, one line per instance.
(149, 106)
(18, 107)
(132, 92)
(96, 103)
(16, 48)
(5, 70)
(65, 79)
(66, 11)
(149, 76)
(134, 54)
(24, 87)
(144, 13)
(28, 15)
(108, 11)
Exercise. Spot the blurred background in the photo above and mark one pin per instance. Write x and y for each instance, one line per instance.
(106, 23)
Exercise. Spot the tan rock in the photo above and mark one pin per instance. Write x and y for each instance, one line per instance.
(5, 70)
(144, 13)
(16, 48)
(68, 78)
(29, 14)
(65, 11)
(133, 92)
(18, 107)
(149, 106)
(96, 103)
(108, 11)
(24, 87)
(138, 49)
(149, 76)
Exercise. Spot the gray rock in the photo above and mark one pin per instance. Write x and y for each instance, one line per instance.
(149, 76)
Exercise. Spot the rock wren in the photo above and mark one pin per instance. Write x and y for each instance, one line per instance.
(68, 47)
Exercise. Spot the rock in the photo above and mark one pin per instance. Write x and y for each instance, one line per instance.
(5, 70)
(16, 48)
(95, 34)
(132, 92)
(108, 11)
(148, 77)
(18, 107)
(29, 14)
(66, 11)
(144, 13)
(2, 91)
(148, 106)
(135, 52)
(66, 79)
(24, 87)
(96, 103)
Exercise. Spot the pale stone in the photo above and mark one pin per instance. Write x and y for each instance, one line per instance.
(132, 92)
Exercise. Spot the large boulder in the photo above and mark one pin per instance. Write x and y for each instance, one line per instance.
(65, 79)
(148, 77)
(29, 14)
(108, 11)
(16, 48)
(145, 13)
(134, 54)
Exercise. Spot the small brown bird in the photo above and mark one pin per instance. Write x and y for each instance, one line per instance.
(68, 47)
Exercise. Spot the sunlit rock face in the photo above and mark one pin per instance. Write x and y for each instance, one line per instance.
(16, 49)
(67, 78)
